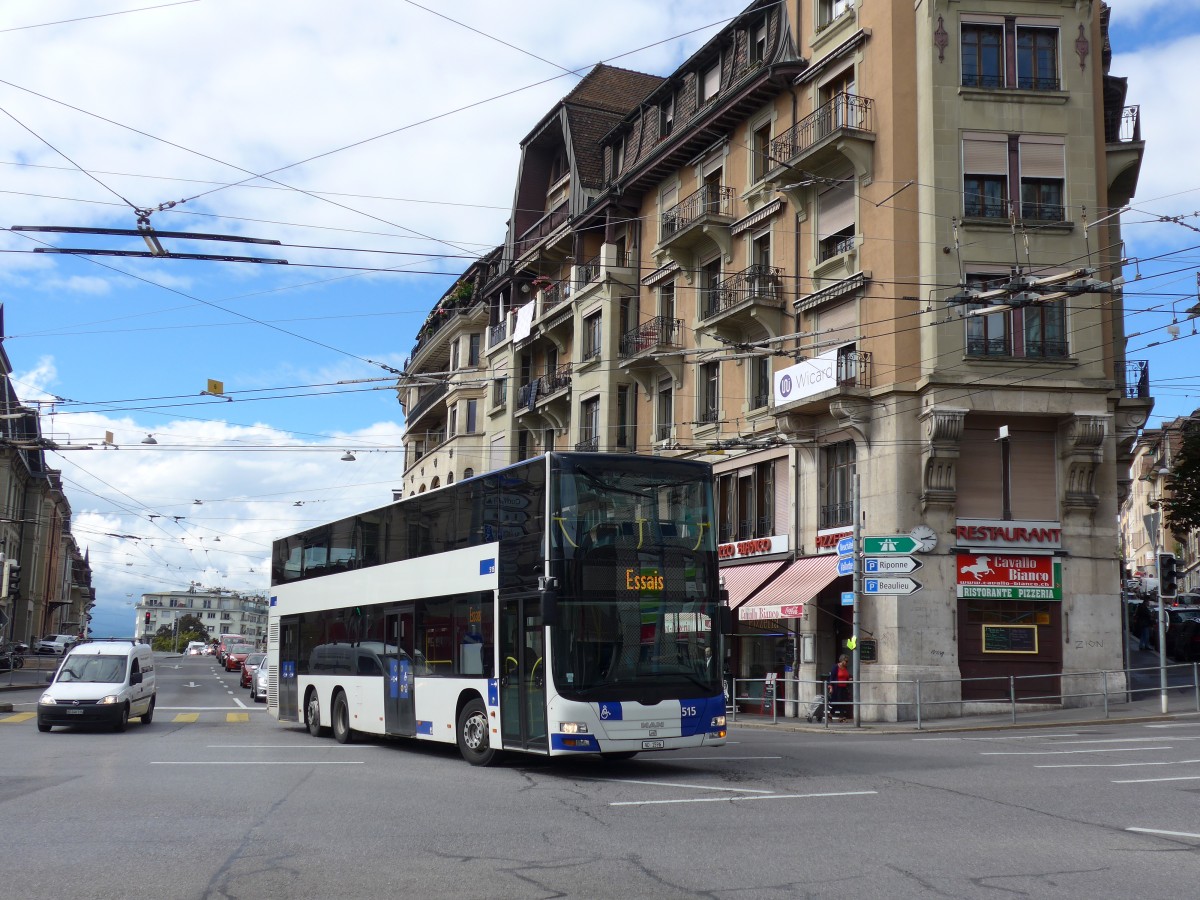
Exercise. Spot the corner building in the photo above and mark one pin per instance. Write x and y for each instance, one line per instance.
(844, 243)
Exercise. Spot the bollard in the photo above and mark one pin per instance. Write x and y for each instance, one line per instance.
(918, 704)
(1012, 696)
(1104, 675)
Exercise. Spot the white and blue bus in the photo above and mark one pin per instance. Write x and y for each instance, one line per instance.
(568, 604)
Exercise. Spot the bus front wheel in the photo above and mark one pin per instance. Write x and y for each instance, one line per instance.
(473, 742)
(341, 719)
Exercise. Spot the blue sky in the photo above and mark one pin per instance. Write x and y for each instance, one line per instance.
(178, 103)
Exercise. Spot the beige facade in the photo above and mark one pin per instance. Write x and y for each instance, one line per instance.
(768, 260)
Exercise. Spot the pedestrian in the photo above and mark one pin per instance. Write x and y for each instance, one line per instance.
(1143, 621)
(839, 689)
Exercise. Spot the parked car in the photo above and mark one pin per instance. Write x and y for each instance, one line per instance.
(1186, 646)
(1179, 632)
(235, 655)
(253, 661)
(258, 687)
(57, 644)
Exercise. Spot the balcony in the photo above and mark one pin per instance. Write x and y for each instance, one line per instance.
(1134, 379)
(848, 376)
(540, 230)
(588, 445)
(1124, 149)
(656, 334)
(543, 389)
(835, 515)
(744, 297)
(497, 334)
(427, 398)
(702, 219)
(842, 127)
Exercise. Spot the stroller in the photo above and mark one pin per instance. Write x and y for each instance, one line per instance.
(818, 708)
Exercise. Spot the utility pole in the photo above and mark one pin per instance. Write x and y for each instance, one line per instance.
(856, 587)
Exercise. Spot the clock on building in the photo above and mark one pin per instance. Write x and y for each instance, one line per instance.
(925, 537)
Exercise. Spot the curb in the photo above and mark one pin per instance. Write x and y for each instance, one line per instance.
(869, 729)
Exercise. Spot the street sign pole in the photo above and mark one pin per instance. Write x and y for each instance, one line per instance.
(856, 584)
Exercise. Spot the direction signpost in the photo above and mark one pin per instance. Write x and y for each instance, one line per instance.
(900, 585)
(890, 543)
(890, 565)
(845, 565)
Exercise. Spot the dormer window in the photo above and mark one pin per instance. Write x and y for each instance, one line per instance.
(666, 117)
(758, 43)
(710, 83)
(558, 166)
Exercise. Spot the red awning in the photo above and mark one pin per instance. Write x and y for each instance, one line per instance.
(784, 598)
(742, 581)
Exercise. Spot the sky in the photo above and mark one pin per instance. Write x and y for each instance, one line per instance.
(386, 137)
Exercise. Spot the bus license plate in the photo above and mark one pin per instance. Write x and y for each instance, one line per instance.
(654, 745)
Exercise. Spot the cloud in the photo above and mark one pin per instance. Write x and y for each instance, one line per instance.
(76, 284)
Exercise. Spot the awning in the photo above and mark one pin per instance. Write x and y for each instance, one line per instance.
(742, 581)
(784, 598)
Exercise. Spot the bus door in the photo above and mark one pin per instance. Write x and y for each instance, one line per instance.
(523, 674)
(285, 675)
(399, 713)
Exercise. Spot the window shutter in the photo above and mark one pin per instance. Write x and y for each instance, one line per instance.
(835, 211)
(1042, 158)
(985, 154)
(837, 325)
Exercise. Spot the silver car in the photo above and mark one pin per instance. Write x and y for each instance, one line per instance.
(258, 684)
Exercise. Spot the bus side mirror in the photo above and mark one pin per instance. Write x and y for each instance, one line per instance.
(549, 591)
(725, 620)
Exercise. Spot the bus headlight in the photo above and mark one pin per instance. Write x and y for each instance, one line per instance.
(573, 727)
(717, 722)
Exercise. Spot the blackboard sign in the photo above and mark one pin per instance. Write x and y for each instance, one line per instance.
(867, 650)
(1010, 639)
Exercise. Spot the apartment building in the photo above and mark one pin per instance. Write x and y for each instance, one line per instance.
(844, 244)
(222, 612)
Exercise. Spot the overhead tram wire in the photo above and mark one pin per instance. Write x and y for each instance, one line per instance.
(120, 12)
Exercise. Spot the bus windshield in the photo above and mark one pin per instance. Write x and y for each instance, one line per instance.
(633, 550)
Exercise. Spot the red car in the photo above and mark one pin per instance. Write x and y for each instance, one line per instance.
(250, 666)
(236, 655)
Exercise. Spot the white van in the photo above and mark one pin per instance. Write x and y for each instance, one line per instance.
(105, 682)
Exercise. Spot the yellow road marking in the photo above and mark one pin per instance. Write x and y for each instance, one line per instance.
(18, 717)
(186, 717)
(237, 717)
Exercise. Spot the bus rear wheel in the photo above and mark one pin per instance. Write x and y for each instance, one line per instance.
(473, 741)
(342, 732)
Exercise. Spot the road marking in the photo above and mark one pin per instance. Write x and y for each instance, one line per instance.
(17, 718)
(1175, 725)
(1168, 833)
(237, 717)
(702, 758)
(264, 762)
(1173, 762)
(206, 708)
(1015, 737)
(690, 787)
(1151, 780)
(1067, 752)
(734, 799)
(240, 703)
(1128, 740)
(312, 746)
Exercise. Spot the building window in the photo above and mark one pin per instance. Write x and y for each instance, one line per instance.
(993, 161)
(982, 55)
(1042, 199)
(468, 472)
(746, 503)
(760, 157)
(758, 43)
(1037, 331)
(472, 416)
(710, 288)
(829, 11)
(666, 300)
(990, 51)
(837, 472)
(499, 391)
(589, 424)
(835, 222)
(626, 439)
(760, 381)
(473, 349)
(710, 392)
(710, 83)
(591, 336)
(452, 420)
(666, 117)
(664, 416)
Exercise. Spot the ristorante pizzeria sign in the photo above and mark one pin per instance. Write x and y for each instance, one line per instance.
(1006, 576)
(1008, 535)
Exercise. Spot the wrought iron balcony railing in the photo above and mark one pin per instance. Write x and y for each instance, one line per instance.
(426, 398)
(588, 445)
(497, 333)
(977, 346)
(657, 332)
(540, 229)
(756, 282)
(1123, 126)
(1135, 383)
(843, 111)
(834, 514)
(712, 199)
(588, 272)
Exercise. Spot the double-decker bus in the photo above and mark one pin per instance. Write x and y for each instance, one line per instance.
(568, 604)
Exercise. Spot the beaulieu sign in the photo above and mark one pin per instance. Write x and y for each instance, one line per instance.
(1008, 535)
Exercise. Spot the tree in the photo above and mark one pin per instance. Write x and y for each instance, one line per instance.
(1182, 508)
(187, 625)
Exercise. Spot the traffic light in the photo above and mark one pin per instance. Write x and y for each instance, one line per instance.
(1168, 576)
(147, 618)
(12, 583)
(4, 581)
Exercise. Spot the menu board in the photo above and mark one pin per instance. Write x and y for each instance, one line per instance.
(867, 650)
(1010, 639)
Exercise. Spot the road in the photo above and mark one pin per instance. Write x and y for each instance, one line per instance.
(216, 799)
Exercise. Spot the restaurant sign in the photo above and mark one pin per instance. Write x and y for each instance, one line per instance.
(1006, 576)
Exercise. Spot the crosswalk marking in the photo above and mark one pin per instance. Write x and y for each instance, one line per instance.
(186, 717)
(237, 717)
(18, 717)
